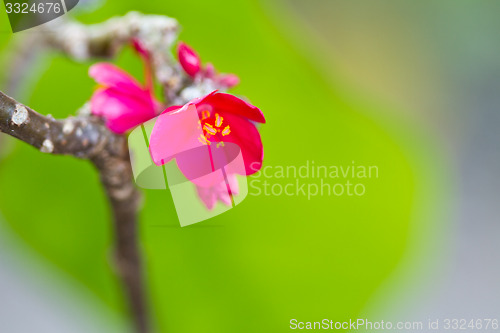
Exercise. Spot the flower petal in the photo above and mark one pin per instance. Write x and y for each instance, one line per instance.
(174, 132)
(172, 108)
(226, 103)
(207, 196)
(121, 111)
(111, 76)
(233, 184)
(247, 137)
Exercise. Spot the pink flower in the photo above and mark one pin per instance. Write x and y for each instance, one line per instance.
(204, 136)
(121, 100)
(222, 118)
(191, 64)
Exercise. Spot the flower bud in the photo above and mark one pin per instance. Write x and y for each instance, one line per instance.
(209, 71)
(228, 80)
(189, 59)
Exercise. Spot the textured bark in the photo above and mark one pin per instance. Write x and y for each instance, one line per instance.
(86, 137)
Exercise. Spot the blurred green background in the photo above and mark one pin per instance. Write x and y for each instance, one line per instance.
(273, 258)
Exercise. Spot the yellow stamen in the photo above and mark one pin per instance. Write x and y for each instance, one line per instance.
(204, 140)
(226, 130)
(210, 130)
(218, 120)
(205, 114)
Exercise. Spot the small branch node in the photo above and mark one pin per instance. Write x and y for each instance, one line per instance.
(47, 147)
(68, 127)
(20, 116)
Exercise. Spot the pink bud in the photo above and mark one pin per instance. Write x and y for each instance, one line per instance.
(209, 71)
(228, 80)
(189, 59)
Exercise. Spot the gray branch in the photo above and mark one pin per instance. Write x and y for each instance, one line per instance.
(86, 137)
(155, 32)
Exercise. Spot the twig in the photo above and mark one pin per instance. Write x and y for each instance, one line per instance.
(88, 138)
(156, 34)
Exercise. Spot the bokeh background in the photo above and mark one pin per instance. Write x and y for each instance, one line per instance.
(409, 86)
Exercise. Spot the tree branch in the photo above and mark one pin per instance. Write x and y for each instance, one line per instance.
(86, 137)
(156, 34)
